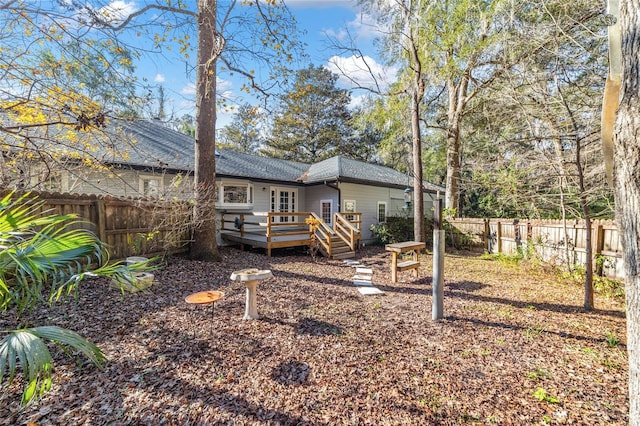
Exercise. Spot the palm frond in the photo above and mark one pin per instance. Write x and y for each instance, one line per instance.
(26, 348)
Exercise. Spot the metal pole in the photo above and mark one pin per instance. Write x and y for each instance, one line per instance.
(438, 263)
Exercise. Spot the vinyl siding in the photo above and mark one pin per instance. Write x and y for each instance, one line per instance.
(367, 198)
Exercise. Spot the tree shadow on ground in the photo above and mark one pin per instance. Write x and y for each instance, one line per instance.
(494, 324)
(315, 279)
(314, 327)
(452, 290)
(308, 326)
(291, 373)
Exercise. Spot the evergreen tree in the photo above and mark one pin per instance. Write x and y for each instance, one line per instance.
(243, 133)
(312, 120)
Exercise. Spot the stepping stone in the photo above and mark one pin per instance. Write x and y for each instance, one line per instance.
(364, 271)
(370, 290)
(350, 261)
(362, 277)
(358, 283)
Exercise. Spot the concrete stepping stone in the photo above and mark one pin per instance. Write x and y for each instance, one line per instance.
(370, 290)
(364, 271)
(362, 277)
(362, 283)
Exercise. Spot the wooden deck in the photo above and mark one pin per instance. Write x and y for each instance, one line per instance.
(278, 230)
(266, 230)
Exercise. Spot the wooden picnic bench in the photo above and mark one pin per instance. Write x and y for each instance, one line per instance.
(404, 247)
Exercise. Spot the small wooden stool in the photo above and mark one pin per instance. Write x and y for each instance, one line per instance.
(209, 297)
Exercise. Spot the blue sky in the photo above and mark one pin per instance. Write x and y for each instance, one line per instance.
(321, 19)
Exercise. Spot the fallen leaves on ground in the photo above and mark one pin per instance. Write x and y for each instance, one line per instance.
(515, 347)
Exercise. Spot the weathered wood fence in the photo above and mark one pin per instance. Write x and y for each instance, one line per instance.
(129, 227)
(554, 241)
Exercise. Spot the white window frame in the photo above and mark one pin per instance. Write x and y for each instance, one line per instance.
(381, 203)
(352, 203)
(148, 178)
(60, 179)
(220, 194)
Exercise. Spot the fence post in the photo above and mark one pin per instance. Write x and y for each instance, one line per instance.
(100, 218)
(486, 235)
(499, 236)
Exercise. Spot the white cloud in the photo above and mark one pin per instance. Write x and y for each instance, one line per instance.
(354, 72)
(223, 85)
(188, 90)
(357, 101)
(117, 11)
(159, 78)
(364, 26)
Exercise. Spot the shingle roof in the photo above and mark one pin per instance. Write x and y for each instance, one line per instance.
(160, 146)
(233, 163)
(347, 169)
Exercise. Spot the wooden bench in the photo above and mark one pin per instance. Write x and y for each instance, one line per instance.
(404, 247)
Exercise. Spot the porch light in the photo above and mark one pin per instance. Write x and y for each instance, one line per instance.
(408, 197)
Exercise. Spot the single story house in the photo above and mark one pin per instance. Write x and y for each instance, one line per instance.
(159, 163)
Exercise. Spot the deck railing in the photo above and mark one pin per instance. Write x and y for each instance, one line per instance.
(323, 234)
(289, 229)
(346, 230)
(269, 229)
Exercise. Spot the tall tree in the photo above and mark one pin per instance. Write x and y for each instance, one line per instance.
(544, 112)
(627, 189)
(403, 44)
(312, 120)
(210, 44)
(30, 103)
(60, 85)
(243, 133)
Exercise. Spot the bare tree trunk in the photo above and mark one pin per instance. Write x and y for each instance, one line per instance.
(457, 103)
(204, 245)
(627, 190)
(452, 184)
(418, 199)
(588, 273)
(417, 93)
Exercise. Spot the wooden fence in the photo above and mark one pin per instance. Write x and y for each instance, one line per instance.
(553, 241)
(129, 227)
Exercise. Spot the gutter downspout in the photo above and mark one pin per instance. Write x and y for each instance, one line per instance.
(337, 188)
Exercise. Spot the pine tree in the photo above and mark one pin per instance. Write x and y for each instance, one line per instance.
(312, 120)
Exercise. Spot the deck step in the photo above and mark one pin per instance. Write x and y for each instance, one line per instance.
(345, 255)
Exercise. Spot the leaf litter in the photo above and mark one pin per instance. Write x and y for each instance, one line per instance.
(515, 347)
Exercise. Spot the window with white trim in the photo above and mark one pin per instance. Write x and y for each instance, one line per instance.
(349, 206)
(235, 194)
(382, 211)
(150, 186)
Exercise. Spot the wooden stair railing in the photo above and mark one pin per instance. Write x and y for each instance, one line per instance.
(346, 231)
(323, 234)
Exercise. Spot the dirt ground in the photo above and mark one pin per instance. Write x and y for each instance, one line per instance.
(515, 347)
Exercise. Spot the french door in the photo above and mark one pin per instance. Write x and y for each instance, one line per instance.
(284, 200)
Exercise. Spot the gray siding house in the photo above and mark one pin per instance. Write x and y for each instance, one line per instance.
(160, 164)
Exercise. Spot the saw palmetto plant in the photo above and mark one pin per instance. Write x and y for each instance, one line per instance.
(43, 257)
